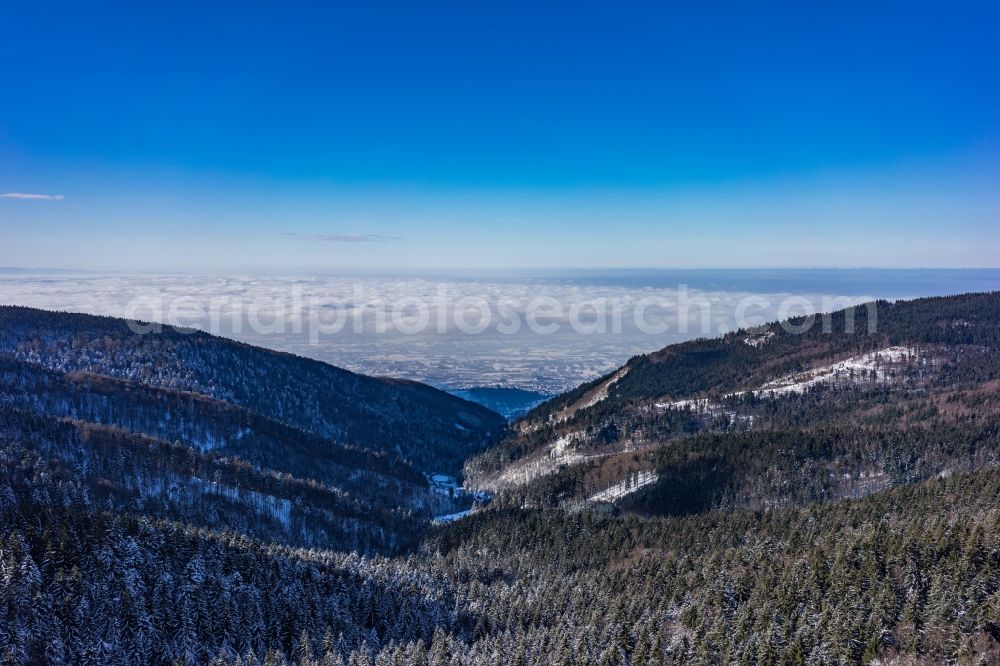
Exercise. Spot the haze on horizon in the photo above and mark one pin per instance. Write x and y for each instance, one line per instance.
(510, 136)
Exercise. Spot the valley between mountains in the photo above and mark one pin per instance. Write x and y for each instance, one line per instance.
(799, 494)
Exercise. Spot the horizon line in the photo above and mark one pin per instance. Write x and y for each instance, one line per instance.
(374, 270)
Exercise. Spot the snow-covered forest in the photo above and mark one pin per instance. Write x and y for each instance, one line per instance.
(679, 512)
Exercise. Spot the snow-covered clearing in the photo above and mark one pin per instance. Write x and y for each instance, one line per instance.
(758, 340)
(625, 487)
(876, 367)
(548, 460)
(595, 395)
(696, 404)
(601, 393)
(873, 367)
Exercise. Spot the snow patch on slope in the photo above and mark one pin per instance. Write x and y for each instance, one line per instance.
(758, 340)
(625, 487)
(879, 367)
(595, 395)
(548, 460)
(873, 367)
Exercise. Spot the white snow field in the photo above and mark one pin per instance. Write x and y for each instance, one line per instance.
(625, 487)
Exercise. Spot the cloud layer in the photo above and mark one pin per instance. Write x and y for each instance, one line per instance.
(31, 197)
(474, 332)
(342, 238)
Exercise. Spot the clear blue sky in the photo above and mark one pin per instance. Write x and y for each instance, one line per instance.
(501, 134)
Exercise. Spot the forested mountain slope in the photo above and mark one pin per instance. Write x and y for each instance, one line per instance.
(176, 425)
(203, 423)
(906, 576)
(745, 358)
(431, 428)
(830, 501)
(889, 363)
(355, 509)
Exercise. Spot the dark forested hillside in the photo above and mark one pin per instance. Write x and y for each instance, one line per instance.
(190, 427)
(741, 359)
(431, 428)
(910, 573)
(203, 423)
(762, 498)
(879, 361)
(358, 509)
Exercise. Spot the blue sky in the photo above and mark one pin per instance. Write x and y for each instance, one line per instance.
(502, 135)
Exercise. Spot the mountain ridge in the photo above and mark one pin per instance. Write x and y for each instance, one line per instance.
(785, 500)
(678, 390)
(395, 416)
